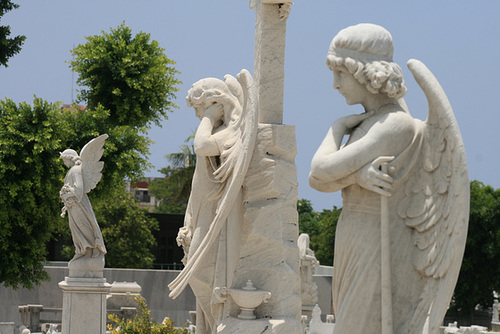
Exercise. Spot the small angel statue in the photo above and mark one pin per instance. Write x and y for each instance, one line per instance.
(83, 176)
(401, 236)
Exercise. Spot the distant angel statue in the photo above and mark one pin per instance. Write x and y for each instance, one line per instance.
(211, 235)
(401, 235)
(308, 263)
(83, 176)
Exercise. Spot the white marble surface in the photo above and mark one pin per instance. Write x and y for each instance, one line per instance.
(84, 305)
(401, 236)
(82, 177)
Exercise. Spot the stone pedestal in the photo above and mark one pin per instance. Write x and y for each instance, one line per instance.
(84, 305)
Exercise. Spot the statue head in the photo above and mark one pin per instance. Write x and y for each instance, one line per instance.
(70, 157)
(208, 91)
(366, 50)
(303, 244)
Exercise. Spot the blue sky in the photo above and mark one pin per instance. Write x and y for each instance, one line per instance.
(458, 41)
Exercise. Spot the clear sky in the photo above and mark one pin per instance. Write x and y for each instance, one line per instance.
(458, 40)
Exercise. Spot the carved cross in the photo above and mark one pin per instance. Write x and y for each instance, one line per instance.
(269, 61)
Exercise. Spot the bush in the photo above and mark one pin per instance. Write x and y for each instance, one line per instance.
(142, 323)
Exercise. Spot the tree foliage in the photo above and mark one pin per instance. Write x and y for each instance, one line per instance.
(30, 180)
(8, 46)
(128, 75)
(321, 229)
(127, 231)
(142, 323)
(31, 173)
(173, 191)
(480, 272)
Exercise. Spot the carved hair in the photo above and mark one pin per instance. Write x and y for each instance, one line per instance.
(71, 155)
(216, 90)
(365, 50)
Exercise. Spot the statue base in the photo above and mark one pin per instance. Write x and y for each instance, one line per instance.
(84, 305)
(86, 266)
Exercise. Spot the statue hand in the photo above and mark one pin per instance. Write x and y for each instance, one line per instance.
(371, 177)
(215, 112)
(184, 237)
(348, 123)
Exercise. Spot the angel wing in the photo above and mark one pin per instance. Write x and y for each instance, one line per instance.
(91, 166)
(439, 197)
(232, 172)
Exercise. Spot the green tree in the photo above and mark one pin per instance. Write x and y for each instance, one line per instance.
(31, 172)
(8, 46)
(173, 191)
(479, 274)
(127, 231)
(129, 84)
(30, 180)
(321, 229)
(128, 75)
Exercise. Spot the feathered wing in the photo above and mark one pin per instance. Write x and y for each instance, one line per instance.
(91, 166)
(232, 172)
(439, 197)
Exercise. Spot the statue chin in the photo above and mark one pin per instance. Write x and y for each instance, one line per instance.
(86, 266)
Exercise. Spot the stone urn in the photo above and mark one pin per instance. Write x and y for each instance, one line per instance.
(248, 299)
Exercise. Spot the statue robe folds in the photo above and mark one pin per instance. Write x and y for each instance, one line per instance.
(428, 216)
(211, 235)
(82, 222)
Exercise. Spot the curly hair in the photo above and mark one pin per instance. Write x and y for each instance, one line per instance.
(365, 50)
(71, 155)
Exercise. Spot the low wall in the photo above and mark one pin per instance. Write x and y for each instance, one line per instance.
(154, 290)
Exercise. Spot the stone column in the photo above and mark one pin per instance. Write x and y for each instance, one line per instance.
(269, 255)
(84, 305)
(269, 60)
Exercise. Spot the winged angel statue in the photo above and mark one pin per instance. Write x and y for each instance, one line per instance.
(83, 176)
(211, 235)
(401, 236)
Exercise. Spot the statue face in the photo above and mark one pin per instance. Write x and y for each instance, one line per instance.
(68, 162)
(348, 86)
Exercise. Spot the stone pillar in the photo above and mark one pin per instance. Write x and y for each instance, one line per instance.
(269, 255)
(269, 61)
(84, 305)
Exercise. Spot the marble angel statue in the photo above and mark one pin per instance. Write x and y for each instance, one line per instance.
(211, 235)
(308, 263)
(397, 174)
(82, 177)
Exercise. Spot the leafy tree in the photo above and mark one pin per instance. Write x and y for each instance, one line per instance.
(321, 229)
(127, 75)
(31, 172)
(8, 46)
(480, 274)
(126, 149)
(127, 231)
(173, 191)
(30, 180)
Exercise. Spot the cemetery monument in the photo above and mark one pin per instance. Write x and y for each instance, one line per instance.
(401, 235)
(84, 291)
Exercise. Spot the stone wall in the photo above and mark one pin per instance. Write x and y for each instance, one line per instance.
(154, 290)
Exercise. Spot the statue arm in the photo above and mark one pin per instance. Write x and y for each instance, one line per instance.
(75, 188)
(333, 168)
(205, 143)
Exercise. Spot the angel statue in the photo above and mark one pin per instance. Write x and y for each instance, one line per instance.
(308, 263)
(401, 235)
(83, 176)
(211, 235)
